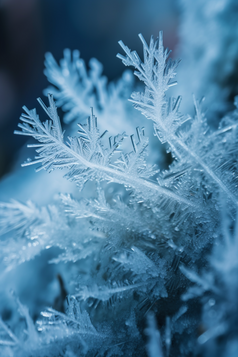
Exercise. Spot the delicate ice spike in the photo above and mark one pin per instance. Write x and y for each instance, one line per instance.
(141, 37)
(40, 101)
(121, 57)
(133, 143)
(89, 123)
(17, 132)
(104, 133)
(26, 110)
(169, 106)
(125, 48)
(138, 133)
(171, 84)
(177, 103)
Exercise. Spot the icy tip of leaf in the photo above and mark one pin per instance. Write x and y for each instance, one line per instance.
(141, 37)
(120, 57)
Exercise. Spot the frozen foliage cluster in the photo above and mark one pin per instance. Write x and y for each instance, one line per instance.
(146, 258)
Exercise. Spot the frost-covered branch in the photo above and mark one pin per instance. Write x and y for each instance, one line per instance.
(85, 157)
(157, 73)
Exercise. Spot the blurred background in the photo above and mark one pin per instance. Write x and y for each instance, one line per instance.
(29, 28)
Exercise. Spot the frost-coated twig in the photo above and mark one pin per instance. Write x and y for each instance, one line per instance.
(157, 72)
(54, 153)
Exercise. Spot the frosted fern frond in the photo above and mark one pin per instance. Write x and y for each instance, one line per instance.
(157, 72)
(18, 217)
(104, 293)
(22, 231)
(76, 89)
(49, 227)
(72, 86)
(82, 208)
(115, 216)
(75, 320)
(85, 157)
(190, 146)
(138, 263)
(74, 327)
(59, 225)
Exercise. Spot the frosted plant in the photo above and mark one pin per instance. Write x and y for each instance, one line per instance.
(122, 247)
